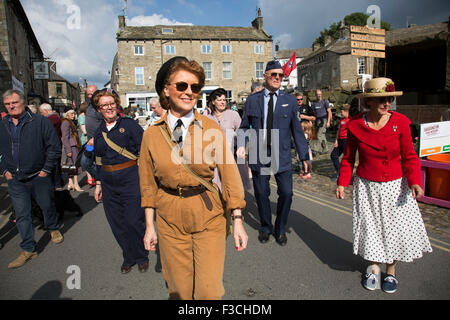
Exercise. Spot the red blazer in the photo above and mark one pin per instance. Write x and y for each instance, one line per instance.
(384, 155)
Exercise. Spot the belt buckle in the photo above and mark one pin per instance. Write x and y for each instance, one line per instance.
(180, 192)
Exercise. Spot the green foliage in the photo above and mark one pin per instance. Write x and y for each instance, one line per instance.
(353, 19)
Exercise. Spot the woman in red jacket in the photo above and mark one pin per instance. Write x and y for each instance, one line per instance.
(387, 224)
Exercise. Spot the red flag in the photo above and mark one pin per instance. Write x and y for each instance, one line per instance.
(290, 65)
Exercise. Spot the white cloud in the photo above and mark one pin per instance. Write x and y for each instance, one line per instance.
(153, 20)
(85, 50)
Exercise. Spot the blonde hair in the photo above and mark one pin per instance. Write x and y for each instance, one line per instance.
(65, 115)
(307, 128)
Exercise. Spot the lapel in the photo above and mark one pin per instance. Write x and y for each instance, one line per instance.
(261, 107)
(276, 111)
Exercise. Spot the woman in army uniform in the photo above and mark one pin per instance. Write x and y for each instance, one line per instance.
(190, 217)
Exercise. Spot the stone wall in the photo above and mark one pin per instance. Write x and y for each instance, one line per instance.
(242, 57)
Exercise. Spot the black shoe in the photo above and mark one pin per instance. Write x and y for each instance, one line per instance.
(263, 237)
(281, 240)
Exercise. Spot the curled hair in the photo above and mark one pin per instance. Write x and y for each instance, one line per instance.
(190, 66)
(101, 94)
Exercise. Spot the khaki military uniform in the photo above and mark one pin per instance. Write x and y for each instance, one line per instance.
(191, 238)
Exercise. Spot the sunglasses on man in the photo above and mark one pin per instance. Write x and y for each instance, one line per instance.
(182, 86)
(275, 74)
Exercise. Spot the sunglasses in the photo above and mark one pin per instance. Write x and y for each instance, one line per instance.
(299, 99)
(182, 86)
(385, 99)
(275, 74)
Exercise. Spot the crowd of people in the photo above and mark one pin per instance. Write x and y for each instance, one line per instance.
(157, 192)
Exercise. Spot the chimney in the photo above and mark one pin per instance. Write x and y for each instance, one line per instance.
(344, 32)
(315, 46)
(121, 22)
(258, 22)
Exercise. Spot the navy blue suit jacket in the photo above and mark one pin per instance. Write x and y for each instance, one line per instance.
(285, 119)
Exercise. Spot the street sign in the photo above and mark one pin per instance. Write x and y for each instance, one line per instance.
(367, 37)
(367, 30)
(368, 53)
(368, 42)
(41, 70)
(368, 45)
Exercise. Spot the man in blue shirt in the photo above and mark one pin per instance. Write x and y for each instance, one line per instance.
(323, 113)
(29, 151)
(271, 115)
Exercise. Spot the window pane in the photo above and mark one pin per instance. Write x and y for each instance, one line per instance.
(139, 75)
(138, 50)
(259, 70)
(208, 70)
(226, 48)
(259, 49)
(227, 74)
(361, 65)
(170, 49)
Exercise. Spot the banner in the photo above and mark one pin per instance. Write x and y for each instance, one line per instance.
(290, 66)
(434, 138)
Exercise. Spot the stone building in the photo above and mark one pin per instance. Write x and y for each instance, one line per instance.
(63, 94)
(332, 66)
(232, 58)
(19, 49)
(283, 56)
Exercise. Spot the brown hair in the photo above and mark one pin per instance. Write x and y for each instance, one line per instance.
(83, 107)
(190, 66)
(105, 94)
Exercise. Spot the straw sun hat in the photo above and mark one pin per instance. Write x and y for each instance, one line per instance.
(379, 87)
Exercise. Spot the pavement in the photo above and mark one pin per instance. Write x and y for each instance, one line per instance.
(317, 262)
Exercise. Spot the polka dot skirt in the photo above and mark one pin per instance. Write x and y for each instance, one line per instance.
(387, 223)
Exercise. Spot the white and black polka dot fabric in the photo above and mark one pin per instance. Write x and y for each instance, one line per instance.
(387, 223)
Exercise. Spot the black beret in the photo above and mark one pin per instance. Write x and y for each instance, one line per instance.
(163, 72)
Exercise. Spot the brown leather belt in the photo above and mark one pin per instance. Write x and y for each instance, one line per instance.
(187, 192)
(120, 166)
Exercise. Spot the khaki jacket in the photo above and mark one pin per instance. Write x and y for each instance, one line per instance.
(204, 148)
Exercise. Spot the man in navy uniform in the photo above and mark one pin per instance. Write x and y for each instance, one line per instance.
(272, 114)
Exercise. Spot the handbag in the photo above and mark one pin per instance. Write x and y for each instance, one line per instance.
(71, 170)
(208, 185)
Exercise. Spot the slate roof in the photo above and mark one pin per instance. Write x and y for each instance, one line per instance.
(417, 34)
(188, 32)
(299, 53)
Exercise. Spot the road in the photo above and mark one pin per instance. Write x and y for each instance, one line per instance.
(317, 262)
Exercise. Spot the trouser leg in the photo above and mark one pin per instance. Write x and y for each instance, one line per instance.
(44, 193)
(20, 194)
(285, 193)
(262, 193)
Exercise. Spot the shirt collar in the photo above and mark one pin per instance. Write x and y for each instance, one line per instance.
(21, 119)
(267, 92)
(187, 119)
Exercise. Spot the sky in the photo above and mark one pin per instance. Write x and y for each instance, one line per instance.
(80, 35)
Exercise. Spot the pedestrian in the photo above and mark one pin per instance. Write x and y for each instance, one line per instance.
(71, 146)
(93, 121)
(305, 112)
(29, 140)
(341, 139)
(229, 121)
(268, 112)
(307, 129)
(117, 142)
(190, 216)
(157, 111)
(387, 224)
(47, 111)
(324, 116)
(83, 137)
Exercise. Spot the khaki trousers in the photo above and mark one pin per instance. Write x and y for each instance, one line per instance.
(192, 250)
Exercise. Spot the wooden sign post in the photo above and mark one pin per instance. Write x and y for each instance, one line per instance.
(368, 42)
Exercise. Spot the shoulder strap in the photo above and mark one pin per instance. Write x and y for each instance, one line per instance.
(204, 182)
(122, 151)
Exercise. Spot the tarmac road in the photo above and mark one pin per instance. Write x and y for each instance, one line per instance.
(317, 262)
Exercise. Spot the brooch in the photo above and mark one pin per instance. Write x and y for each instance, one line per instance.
(394, 128)
(121, 130)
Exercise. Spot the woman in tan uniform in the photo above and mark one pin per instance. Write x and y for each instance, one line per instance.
(191, 218)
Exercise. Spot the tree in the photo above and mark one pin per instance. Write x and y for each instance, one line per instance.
(354, 19)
